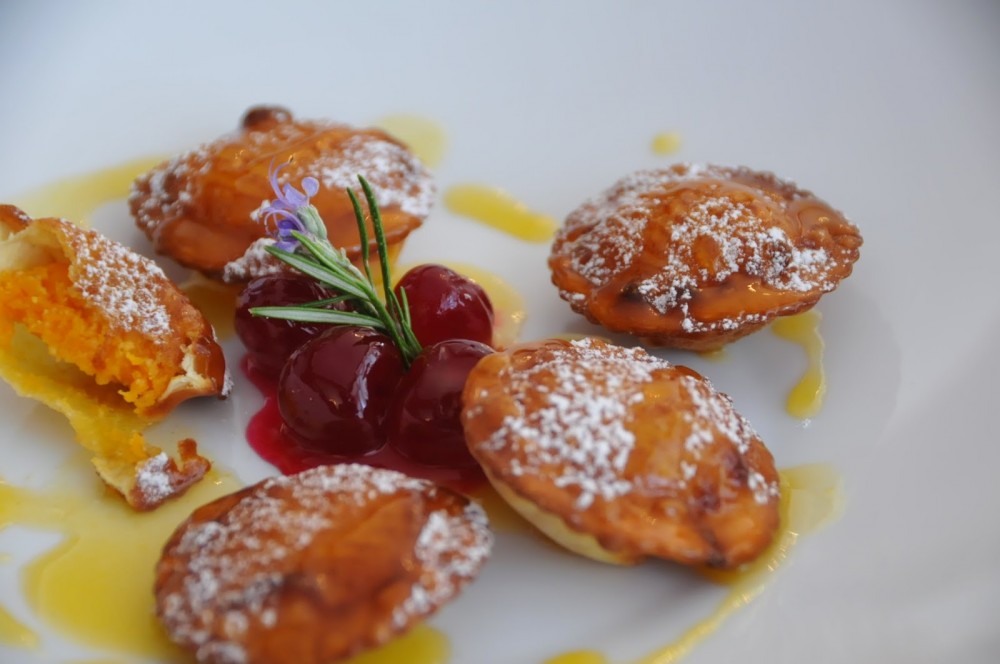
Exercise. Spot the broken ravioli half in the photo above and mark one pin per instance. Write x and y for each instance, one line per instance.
(101, 335)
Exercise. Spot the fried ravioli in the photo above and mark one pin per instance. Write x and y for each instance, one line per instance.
(696, 257)
(202, 207)
(618, 455)
(316, 567)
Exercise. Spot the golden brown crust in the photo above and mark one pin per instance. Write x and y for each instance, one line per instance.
(159, 477)
(698, 256)
(643, 456)
(74, 297)
(315, 567)
(199, 207)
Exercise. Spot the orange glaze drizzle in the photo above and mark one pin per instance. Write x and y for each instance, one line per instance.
(425, 137)
(216, 301)
(805, 399)
(77, 198)
(578, 657)
(717, 355)
(15, 633)
(811, 497)
(495, 207)
(666, 143)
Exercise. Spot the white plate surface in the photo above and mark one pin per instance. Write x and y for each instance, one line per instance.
(887, 110)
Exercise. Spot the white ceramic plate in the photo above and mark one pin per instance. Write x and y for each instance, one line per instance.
(887, 110)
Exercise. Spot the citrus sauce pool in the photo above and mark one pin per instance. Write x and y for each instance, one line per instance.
(215, 301)
(76, 198)
(495, 207)
(489, 205)
(95, 585)
(15, 633)
(425, 137)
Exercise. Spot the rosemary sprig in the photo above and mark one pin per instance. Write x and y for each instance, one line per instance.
(303, 245)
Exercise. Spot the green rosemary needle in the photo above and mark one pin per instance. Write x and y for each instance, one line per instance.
(301, 243)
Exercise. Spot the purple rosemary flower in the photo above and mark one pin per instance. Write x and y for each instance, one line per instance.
(291, 211)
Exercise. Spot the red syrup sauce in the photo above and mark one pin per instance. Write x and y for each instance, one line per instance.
(267, 437)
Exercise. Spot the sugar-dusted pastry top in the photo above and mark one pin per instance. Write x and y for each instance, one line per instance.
(314, 567)
(620, 455)
(695, 256)
(201, 208)
(100, 334)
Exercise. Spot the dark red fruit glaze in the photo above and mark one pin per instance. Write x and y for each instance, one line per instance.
(339, 386)
(423, 422)
(334, 392)
(267, 437)
(270, 341)
(446, 305)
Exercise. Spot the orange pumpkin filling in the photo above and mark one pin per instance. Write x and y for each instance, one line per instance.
(42, 298)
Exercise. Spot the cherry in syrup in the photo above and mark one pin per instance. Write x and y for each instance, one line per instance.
(269, 437)
(270, 341)
(334, 391)
(445, 305)
(424, 419)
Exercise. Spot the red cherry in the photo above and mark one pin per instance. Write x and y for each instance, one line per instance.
(424, 422)
(446, 305)
(335, 390)
(270, 341)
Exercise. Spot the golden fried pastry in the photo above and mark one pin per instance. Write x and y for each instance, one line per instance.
(618, 455)
(314, 567)
(100, 334)
(697, 256)
(202, 207)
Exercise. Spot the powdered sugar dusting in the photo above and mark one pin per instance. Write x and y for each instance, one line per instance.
(579, 429)
(608, 228)
(235, 562)
(451, 550)
(572, 423)
(741, 242)
(125, 286)
(397, 177)
(255, 262)
(152, 479)
(608, 232)
(763, 491)
(712, 420)
(170, 189)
